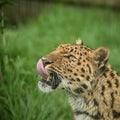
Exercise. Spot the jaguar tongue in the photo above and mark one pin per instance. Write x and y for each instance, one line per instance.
(41, 69)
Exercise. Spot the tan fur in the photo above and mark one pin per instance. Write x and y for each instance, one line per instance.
(92, 86)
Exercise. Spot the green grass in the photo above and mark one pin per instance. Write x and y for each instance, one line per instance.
(20, 98)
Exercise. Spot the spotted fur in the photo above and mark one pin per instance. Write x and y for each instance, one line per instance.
(91, 84)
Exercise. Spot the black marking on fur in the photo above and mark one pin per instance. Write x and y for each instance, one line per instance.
(85, 53)
(75, 74)
(112, 99)
(103, 89)
(95, 102)
(116, 114)
(72, 79)
(116, 83)
(116, 92)
(89, 68)
(79, 90)
(70, 83)
(66, 76)
(69, 70)
(83, 70)
(79, 63)
(83, 60)
(105, 102)
(88, 78)
(78, 79)
(96, 117)
(109, 84)
(82, 75)
(71, 50)
(112, 74)
(80, 54)
(104, 74)
(84, 86)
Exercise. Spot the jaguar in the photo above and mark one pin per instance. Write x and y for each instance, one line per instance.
(91, 84)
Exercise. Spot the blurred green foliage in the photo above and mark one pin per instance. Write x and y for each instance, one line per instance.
(3, 25)
(20, 98)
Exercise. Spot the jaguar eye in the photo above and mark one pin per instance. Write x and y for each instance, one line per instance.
(70, 57)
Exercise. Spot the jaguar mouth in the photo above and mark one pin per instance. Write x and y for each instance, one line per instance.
(49, 79)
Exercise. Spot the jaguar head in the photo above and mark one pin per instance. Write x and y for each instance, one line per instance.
(71, 67)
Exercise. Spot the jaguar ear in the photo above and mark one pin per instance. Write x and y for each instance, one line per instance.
(101, 56)
(79, 42)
